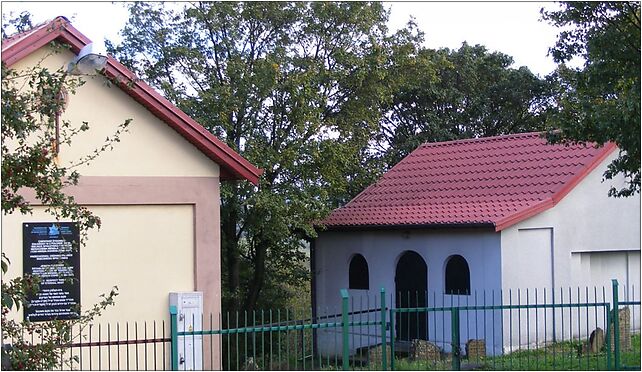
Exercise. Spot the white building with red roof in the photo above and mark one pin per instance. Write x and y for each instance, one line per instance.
(486, 217)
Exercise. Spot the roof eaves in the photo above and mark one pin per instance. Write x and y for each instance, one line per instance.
(181, 122)
(427, 226)
(512, 219)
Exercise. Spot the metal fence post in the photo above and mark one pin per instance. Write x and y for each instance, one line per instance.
(609, 331)
(344, 323)
(392, 337)
(384, 361)
(616, 325)
(174, 337)
(454, 317)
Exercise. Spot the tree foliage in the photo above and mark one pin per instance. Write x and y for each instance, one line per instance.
(600, 102)
(293, 87)
(32, 134)
(453, 94)
(322, 98)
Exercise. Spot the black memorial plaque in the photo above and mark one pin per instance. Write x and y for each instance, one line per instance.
(50, 251)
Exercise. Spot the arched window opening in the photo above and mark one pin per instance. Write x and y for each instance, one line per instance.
(457, 276)
(359, 276)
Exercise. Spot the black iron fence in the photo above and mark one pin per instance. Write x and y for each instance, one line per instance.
(119, 346)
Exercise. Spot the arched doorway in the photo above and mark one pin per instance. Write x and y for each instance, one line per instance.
(411, 283)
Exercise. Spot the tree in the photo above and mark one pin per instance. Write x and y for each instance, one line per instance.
(293, 87)
(453, 94)
(599, 102)
(32, 134)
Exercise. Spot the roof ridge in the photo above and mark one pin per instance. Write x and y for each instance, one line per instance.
(480, 139)
(20, 34)
(486, 160)
(49, 26)
(24, 32)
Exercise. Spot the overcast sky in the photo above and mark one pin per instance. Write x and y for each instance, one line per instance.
(509, 27)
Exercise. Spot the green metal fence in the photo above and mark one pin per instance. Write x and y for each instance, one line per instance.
(622, 322)
(536, 349)
(569, 329)
(277, 340)
(565, 329)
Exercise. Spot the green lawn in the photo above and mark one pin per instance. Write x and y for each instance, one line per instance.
(632, 359)
(561, 356)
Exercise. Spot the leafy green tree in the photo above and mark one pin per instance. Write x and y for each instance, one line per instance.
(452, 94)
(293, 87)
(600, 101)
(32, 134)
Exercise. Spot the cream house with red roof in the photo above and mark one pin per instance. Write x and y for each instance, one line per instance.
(497, 215)
(157, 192)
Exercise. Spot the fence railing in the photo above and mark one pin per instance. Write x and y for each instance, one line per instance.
(537, 337)
(278, 340)
(623, 321)
(120, 346)
(569, 329)
(565, 329)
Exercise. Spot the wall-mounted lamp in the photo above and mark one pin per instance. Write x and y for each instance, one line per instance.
(91, 59)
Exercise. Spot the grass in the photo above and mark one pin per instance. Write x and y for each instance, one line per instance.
(560, 356)
(566, 356)
(632, 359)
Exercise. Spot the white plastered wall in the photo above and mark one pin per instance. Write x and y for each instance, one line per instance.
(382, 250)
(583, 242)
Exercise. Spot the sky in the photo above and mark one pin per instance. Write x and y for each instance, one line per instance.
(512, 28)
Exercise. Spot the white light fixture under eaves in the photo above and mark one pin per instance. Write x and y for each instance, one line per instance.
(91, 59)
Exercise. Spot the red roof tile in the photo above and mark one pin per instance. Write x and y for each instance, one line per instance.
(233, 165)
(496, 181)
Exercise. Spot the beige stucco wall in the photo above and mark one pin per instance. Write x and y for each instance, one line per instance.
(151, 148)
(141, 249)
(158, 198)
(150, 165)
(196, 252)
(134, 250)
